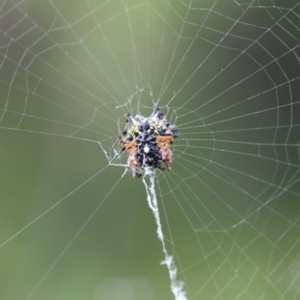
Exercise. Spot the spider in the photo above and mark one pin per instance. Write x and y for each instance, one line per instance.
(147, 142)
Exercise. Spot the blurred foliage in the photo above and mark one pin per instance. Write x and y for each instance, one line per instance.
(72, 226)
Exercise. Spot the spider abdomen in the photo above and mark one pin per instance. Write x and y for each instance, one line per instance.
(148, 141)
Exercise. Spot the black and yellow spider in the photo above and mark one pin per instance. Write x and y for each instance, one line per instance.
(147, 142)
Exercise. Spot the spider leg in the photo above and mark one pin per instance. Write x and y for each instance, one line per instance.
(167, 162)
(122, 143)
(125, 140)
(132, 165)
(164, 143)
(126, 125)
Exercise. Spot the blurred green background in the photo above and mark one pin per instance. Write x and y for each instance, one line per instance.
(71, 227)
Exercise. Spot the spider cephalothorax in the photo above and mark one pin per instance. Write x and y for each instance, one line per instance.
(147, 142)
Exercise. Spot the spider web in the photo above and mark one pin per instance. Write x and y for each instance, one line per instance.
(223, 224)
